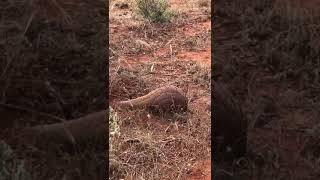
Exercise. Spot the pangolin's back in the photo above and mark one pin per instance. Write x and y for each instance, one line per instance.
(164, 99)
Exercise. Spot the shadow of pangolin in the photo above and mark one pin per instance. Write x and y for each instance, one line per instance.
(167, 99)
(229, 125)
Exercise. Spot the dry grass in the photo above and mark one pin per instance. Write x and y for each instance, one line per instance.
(267, 53)
(154, 10)
(149, 146)
(158, 151)
(52, 64)
(44, 44)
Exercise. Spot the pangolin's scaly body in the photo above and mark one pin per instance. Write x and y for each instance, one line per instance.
(164, 99)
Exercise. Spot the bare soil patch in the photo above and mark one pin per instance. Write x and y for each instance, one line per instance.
(200, 171)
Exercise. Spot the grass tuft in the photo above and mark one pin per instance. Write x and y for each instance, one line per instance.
(154, 10)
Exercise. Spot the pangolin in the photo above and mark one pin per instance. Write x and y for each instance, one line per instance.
(167, 99)
(88, 128)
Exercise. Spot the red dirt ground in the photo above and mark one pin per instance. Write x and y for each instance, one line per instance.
(202, 57)
(175, 50)
(160, 56)
(201, 171)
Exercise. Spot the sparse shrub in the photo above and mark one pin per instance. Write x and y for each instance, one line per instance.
(203, 3)
(154, 10)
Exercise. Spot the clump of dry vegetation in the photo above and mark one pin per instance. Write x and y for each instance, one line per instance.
(114, 133)
(200, 75)
(154, 10)
(114, 128)
(204, 3)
